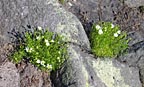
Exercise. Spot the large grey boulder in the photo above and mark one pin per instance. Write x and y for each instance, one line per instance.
(45, 13)
(135, 56)
(81, 69)
(15, 14)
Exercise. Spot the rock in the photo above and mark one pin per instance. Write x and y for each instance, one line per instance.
(83, 70)
(45, 13)
(15, 15)
(30, 76)
(115, 11)
(135, 56)
(9, 76)
(128, 17)
(134, 3)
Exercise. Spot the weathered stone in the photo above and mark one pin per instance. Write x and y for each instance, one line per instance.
(30, 76)
(115, 11)
(83, 70)
(134, 3)
(45, 13)
(122, 12)
(9, 76)
(15, 14)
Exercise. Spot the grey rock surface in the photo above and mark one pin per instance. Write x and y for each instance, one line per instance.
(115, 11)
(45, 13)
(83, 70)
(9, 76)
(134, 3)
(15, 14)
(30, 76)
(122, 12)
(135, 56)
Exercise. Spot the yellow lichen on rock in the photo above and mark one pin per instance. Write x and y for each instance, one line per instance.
(109, 74)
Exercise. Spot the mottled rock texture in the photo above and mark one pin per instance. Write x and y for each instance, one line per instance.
(82, 69)
(9, 76)
(45, 13)
(15, 15)
(125, 13)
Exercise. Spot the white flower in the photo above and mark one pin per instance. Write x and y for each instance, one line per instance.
(59, 52)
(47, 42)
(100, 31)
(42, 63)
(52, 41)
(30, 50)
(98, 27)
(39, 28)
(27, 49)
(49, 66)
(115, 35)
(118, 31)
(58, 58)
(38, 61)
(112, 26)
(38, 37)
(42, 36)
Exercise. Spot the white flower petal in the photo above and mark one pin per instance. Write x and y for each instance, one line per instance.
(42, 63)
(49, 66)
(46, 40)
(27, 49)
(118, 31)
(100, 31)
(38, 37)
(52, 41)
(115, 35)
(39, 28)
(47, 44)
(58, 58)
(112, 26)
(98, 27)
(38, 61)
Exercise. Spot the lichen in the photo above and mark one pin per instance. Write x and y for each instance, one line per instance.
(109, 74)
(85, 76)
(63, 29)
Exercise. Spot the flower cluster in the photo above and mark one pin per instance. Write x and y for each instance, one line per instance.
(100, 30)
(48, 66)
(29, 49)
(43, 49)
(107, 39)
(117, 33)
